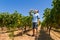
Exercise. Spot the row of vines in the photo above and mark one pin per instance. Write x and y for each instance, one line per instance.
(15, 20)
(52, 16)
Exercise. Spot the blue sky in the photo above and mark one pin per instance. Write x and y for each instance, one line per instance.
(23, 6)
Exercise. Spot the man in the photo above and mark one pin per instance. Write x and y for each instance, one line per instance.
(35, 20)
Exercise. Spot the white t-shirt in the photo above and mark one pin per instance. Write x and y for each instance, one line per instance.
(35, 17)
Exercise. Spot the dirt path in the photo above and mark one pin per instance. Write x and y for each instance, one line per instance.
(17, 36)
(42, 35)
(27, 36)
(5, 36)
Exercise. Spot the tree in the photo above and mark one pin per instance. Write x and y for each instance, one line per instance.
(52, 16)
(47, 22)
(55, 12)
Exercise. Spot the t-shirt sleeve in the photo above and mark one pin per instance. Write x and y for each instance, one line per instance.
(38, 16)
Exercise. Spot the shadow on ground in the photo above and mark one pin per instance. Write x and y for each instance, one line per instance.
(43, 35)
(56, 30)
(24, 32)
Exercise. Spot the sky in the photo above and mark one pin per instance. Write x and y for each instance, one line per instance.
(24, 6)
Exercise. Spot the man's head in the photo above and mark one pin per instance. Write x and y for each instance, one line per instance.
(36, 11)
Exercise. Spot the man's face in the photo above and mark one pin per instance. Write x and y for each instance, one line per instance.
(35, 11)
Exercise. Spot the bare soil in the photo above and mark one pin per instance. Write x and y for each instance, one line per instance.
(42, 35)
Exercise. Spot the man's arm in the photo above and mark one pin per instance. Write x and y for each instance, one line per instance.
(31, 14)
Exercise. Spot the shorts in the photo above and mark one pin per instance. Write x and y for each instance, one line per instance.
(35, 25)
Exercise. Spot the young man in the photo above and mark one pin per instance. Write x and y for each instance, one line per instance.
(35, 20)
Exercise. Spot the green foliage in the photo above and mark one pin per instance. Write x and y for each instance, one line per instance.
(14, 20)
(56, 13)
(52, 16)
(47, 17)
